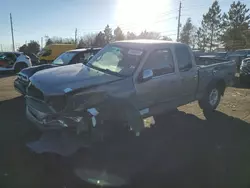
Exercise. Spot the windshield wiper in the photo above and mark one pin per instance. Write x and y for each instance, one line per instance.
(112, 72)
(105, 70)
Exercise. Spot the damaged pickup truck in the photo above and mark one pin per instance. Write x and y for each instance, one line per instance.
(121, 85)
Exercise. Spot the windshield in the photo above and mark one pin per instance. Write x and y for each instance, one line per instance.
(118, 60)
(64, 58)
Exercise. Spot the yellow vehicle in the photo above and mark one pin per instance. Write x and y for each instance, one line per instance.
(52, 51)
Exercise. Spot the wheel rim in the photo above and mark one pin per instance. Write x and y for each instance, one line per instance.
(213, 97)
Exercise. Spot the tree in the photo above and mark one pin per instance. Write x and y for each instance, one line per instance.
(236, 23)
(201, 39)
(100, 40)
(131, 36)
(48, 42)
(31, 48)
(118, 34)
(87, 41)
(187, 32)
(23, 48)
(59, 40)
(149, 35)
(211, 24)
(166, 38)
(108, 34)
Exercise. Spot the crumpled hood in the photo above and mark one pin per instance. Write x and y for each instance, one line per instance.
(63, 79)
(28, 72)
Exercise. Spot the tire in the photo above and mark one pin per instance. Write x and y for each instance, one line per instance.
(19, 67)
(211, 99)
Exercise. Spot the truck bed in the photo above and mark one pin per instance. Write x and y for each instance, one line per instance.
(215, 70)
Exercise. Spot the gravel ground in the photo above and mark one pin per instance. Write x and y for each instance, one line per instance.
(185, 149)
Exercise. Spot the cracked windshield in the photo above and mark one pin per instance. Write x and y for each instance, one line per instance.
(125, 93)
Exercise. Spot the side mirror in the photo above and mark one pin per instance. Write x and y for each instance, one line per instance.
(147, 75)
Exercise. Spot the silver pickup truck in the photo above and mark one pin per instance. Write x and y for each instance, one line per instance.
(124, 83)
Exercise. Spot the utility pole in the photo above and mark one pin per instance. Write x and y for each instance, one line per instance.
(11, 25)
(41, 43)
(179, 23)
(76, 36)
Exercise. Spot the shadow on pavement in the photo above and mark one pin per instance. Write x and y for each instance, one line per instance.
(180, 151)
(4, 74)
(237, 84)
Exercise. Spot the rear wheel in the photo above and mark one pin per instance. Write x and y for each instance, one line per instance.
(19, 67)
(211, 100)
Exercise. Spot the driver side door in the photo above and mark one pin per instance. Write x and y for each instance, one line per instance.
(164, 85)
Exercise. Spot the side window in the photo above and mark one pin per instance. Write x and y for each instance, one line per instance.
(183, 58)
(161, 62)
(82, 58)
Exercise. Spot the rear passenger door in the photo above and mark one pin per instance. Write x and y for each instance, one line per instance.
(188, 72)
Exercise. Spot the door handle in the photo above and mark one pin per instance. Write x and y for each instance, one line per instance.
(195, 76)
(214, 71)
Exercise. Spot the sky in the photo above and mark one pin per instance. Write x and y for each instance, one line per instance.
(33, 19)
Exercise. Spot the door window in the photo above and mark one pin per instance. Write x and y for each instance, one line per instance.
(183, 58)
(161, 62)
(83, 57)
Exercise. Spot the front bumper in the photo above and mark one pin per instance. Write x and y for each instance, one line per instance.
(20, 86)
(53, 121)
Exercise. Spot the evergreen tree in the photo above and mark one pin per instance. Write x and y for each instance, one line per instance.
(118, 34)
(187, 32)
(108, 34)
(236, 21)
(211, 25)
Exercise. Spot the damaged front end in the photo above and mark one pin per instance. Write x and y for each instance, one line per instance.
(53, 113)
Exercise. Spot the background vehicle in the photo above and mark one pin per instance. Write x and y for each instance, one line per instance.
(238, 56)
(135, 79)
(66, 58)
(245, 71)
(52, 51)
(14, 61)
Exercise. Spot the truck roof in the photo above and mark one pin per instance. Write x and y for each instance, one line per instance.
(83, 49)
(144, 43)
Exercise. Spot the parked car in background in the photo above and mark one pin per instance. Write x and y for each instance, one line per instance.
(222, 55)
(125, 82)
(238, 56)
(52, 51)
(66, 58)
(245, 71)
(14, 61)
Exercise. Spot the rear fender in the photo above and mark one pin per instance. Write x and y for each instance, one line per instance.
(219, 83)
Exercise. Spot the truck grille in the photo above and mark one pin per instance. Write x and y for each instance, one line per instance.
(34, 92)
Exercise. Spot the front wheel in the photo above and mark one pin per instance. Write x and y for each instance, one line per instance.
(211, 100)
